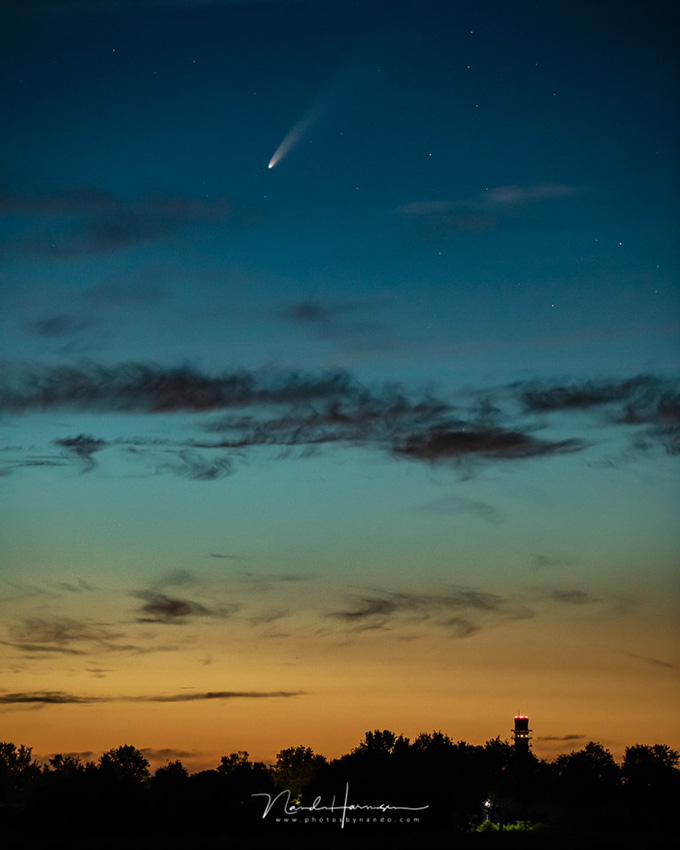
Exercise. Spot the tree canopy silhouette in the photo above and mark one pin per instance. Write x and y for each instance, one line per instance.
(459, 784)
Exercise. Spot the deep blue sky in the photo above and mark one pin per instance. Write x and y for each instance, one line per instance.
(394, 202)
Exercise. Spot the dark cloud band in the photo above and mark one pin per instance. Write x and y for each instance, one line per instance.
(43, 698)
(312, 410)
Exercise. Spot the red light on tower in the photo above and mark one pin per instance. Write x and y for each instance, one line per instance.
(521, 733)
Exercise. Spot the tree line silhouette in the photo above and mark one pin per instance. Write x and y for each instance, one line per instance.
(465, 787)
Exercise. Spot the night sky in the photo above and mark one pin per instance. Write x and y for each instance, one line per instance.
(339, 373)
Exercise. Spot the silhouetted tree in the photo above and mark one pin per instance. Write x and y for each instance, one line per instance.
(431, 757)
(650, 766)
(227, 791)
(234, 763)
(168, 794)
(432, 742)
(126, 763)
(587, 785)
(118, 787)
(374, 769)
(498, 755)
(238, 769)
(63, 788)
(448, 777)
(581, 790)
(18, 772)
(651, 784)
(295, 767)
(64, 766)
(173, 771)
(380, 742)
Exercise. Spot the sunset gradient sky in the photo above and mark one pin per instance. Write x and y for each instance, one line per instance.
(382, 436)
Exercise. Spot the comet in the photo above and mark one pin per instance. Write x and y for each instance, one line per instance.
(295, 134)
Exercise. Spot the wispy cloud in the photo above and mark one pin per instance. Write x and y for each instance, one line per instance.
(461, 627)
(570, 737)
(451, 505)
(512, 196)
(69, 334)
(348, 320)
(41, 649)
(655, 662)
(368, 607)
(196, 466)
(461, 611)
(159, 608)
(93, 221)
(80, 587)
(267, 617)
(83, 447)
(148, 388)
(98, 672)
(445, 443)
(29, 462)
(44, 698)
(482, 211)
(572, 596)
(645, 400)
(45, 636)
(543, 561)
(19, 591)
(62, 631)
(82, 754)
(216, 695)
(168, 753)
(305, 411)
(62, 325)
(639, 392)
(497, 198)
(266, 581)
(175, 578)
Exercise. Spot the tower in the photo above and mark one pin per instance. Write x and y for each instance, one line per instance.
(521, 733)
